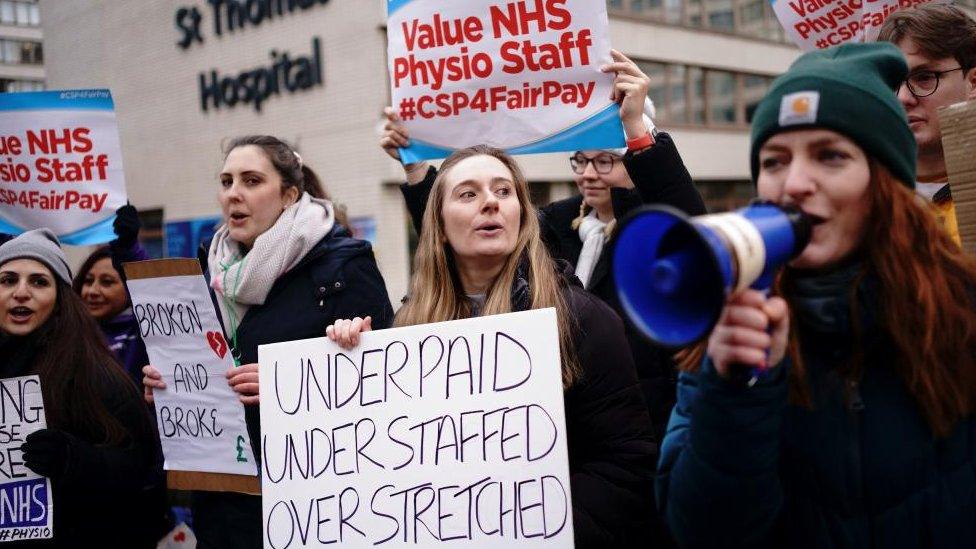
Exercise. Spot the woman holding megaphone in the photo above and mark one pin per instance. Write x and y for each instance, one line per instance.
(859, 433)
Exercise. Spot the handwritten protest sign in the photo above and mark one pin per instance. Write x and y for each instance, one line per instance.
(200, 419)
(26, 507)
(813, 24)
(519, 75)
(60, 164)
(442, 432)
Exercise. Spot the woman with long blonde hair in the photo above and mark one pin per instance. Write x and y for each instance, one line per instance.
(861, 431)
(481, 253)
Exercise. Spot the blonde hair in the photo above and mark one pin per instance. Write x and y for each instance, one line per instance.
(584, 209)
(436, 294)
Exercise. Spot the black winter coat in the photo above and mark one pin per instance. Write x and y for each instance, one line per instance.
(659, 176)
(611, 449)
(108, 495)
(337, 279)
(860, 468)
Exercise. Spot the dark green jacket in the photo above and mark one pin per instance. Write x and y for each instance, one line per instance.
(740, 467)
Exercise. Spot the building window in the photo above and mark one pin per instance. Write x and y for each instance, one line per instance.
(753, 18)
(724, 195)
(21, 52)
(699, 96)
(7, 85)
(24, 13)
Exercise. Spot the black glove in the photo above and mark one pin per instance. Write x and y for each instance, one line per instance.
(126, 226)
(47, 452)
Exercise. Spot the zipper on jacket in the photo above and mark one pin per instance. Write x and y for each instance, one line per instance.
(855, 405)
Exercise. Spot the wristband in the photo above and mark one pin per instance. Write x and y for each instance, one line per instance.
(640, 143)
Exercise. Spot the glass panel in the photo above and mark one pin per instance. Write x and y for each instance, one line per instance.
(615, 4)
(751, 18)
(677, 107)
(23, 13)
(721, 97)
(720, 14)
(695, 13)
(8, 51)
(6, 12)
(696, 80)
(657, 91)
(673, 11)
(754, 88)
(35, 15)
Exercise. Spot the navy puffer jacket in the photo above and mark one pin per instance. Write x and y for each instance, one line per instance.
(741, 467)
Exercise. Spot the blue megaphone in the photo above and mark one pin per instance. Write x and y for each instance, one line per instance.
(674, 273)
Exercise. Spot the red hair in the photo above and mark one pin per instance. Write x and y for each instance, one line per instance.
(927, 286)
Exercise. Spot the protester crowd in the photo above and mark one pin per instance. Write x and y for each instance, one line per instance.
(859, 433)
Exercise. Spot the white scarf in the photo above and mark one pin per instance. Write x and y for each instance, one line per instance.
(591, 233)
(244, 281)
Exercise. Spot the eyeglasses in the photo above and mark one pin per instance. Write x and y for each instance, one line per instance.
(924, 83)
(602, 163)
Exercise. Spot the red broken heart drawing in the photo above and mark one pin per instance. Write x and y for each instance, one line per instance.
(181, 536)
(217, 343)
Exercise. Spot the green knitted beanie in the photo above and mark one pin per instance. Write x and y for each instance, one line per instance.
(850, 89)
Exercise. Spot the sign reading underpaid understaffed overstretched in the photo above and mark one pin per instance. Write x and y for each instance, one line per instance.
(451, 433)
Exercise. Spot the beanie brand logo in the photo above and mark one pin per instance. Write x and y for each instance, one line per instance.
(799, 108)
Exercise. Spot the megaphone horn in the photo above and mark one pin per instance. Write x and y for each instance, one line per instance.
(673, 273)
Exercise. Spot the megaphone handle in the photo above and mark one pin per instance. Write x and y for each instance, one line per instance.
(750, 375)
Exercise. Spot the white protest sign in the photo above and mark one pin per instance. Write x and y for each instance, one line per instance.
(26, 506)
(60, 164)
(518, 75)
(820, 24)
(200, 419)
(450, 432)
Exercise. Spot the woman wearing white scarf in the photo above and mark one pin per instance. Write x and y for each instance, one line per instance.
(282, 267)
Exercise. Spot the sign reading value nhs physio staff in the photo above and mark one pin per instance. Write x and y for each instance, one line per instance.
(820, 24)
(26, 506)
(448, 434)
(200, 419)
(518, 75)
(60, 164)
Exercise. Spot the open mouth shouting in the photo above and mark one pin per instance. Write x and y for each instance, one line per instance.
(20, 314)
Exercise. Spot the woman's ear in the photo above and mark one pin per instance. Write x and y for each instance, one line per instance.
(291, 195)
(971, 84)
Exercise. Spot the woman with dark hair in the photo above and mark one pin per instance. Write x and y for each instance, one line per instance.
(282, 267)
(580, 229)
(101, 284)
(481, 253)
(861, 432)
(100, 447)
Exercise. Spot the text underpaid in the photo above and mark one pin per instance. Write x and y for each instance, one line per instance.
(444, 432)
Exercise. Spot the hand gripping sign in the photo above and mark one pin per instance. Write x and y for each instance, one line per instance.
(813, 24)
(521, 75)
(201, 421)
(60, 164)
(448, 434)
(26, 505)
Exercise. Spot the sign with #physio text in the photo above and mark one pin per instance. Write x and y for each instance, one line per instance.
(520, 75)
(60, 164)
(450, 434)
(26, 506)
